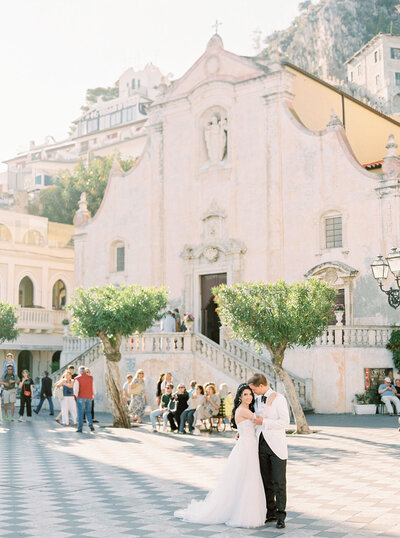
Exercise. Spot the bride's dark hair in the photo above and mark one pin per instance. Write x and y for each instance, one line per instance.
(238, 400)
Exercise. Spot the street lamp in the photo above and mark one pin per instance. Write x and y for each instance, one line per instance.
(380, 269)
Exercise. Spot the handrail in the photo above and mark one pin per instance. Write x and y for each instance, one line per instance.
(84, 359)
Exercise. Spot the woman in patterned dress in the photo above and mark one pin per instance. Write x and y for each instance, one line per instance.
(138, 398)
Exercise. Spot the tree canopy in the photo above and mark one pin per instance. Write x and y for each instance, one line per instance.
(278, 314)
(110, 310)
(59, 202)
(8, 323)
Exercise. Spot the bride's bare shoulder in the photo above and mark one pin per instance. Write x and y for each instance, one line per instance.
(243, 413)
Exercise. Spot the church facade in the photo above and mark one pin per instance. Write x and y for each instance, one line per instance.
(232, 186)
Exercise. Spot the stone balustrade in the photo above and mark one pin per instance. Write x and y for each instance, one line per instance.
(40, 320)
(87, 358)
(157, 343)
(355, 336)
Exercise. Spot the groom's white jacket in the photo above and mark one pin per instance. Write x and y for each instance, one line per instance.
(273, 428)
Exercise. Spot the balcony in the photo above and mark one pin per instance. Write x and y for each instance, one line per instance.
(40, 320)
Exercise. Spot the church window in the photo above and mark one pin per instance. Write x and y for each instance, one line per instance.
(120, 258)
(351, 76)
(376, 56)
(359, 70)
(138, 83)
(395, 53)
(133, 84)
(378, 81)
(397, 79)
(333, 232)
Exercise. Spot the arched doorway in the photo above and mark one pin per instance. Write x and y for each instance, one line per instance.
(59, 295)
(55, 361)
(24, 362)
(210, 323)
(25, 292)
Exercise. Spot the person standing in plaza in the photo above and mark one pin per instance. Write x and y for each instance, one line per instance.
(26, 396)
(84, 392)
(138, 397)
(68, 405)
(46, 392)
(388, 393)
(158, 388)
(272, 420)
(10, 392)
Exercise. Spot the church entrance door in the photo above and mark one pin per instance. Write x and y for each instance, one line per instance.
(210, 322)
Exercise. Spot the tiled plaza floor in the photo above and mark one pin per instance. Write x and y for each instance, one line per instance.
(344, 480)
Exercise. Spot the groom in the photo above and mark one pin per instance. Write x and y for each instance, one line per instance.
(272, 420)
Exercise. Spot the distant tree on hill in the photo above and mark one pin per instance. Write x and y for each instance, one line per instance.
(59, 202)
(106, 94)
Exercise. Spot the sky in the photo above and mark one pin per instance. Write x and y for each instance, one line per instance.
(53, 50)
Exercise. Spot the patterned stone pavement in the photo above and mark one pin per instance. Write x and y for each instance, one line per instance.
(344, 480)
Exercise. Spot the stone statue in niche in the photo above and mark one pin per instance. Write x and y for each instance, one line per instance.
(215, 134)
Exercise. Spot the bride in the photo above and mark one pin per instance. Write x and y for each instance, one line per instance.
(238, 499)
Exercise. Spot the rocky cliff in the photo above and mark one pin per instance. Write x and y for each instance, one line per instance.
(327, 33)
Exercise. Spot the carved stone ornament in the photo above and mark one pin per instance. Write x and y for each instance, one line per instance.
(82, 216)
(211, 254)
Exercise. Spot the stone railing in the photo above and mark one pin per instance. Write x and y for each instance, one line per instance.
(355, 336)
(40, 320)
(157, 343)
(261, 362)
(88, 357)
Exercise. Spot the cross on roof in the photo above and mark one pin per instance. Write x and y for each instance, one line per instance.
(217, 23)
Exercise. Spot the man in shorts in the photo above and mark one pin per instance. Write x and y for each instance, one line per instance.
(9, 381)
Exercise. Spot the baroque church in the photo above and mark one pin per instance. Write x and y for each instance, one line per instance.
(248, 175)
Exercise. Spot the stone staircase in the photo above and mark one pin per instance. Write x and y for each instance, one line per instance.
(231, 357)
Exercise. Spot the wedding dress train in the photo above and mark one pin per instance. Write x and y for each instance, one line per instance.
(238, 499)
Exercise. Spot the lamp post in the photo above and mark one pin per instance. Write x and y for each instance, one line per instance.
(380, 269)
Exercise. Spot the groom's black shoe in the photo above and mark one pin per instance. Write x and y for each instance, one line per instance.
(271, 519)
(280, 524)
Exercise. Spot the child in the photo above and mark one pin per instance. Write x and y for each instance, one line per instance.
(9, 361)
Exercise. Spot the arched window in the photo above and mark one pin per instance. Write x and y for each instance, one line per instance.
(59, 295)
(24, 362)
(33, 237)
(118, 256)
(5, 234)
(25, 292)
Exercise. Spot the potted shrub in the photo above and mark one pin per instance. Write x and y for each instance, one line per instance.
(366, 402)
(188, 320)
(338, 310)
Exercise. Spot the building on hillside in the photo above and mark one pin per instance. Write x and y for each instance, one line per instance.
(376, 67)
(248, 175)
(36, 275)
(110, 126)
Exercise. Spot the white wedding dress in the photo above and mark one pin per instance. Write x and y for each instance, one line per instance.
(238, 499)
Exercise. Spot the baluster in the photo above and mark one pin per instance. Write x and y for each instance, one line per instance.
(346, 336)
(330, 337)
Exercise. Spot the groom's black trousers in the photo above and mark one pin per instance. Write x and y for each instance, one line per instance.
(273, 472)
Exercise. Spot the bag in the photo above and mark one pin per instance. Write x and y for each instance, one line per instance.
(172, 406)
(137, 390)
(58, 393)
(27, 393)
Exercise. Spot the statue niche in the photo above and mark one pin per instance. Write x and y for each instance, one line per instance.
(216, 137)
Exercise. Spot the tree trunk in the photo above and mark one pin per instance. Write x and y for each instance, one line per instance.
(113, 381)
(114, 389)
(297, 410)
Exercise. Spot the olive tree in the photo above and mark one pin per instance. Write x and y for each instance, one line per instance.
(110, 313)
(8, 323)
(278, 316)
